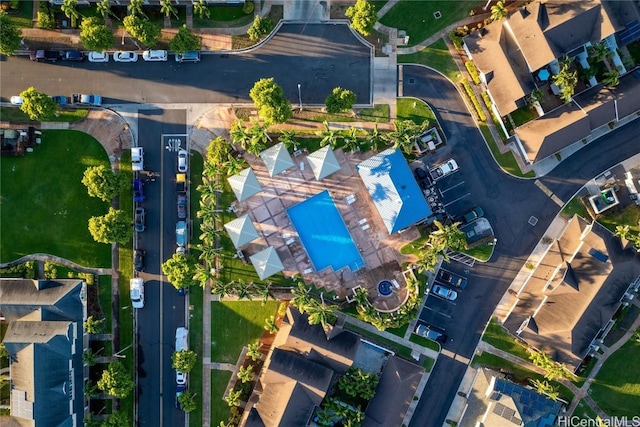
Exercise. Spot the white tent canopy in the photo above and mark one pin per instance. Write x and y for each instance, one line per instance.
(267, 263)
(241, 230)
(323, 162)
(276, 159)
(245, 184)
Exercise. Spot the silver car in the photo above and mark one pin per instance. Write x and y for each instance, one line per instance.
(446, 293)
(125, 56)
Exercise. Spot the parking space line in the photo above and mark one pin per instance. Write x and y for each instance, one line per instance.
(456, 200)
(452, 187)
(438, 312)
(549, 193)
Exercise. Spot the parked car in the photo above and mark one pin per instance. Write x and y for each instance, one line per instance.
(98, 57)
(61, 100)
(138, 259)
(452, 279)
(136, 292)
(181, 233)
(155, 55)
(446, 293)
(182, 161)
(138, 191)
(181, 377)
(44, 55)
(140, 219)
(73, 55)
(182, 338)
(137, 159)
(181, 388)
(86, 99)
(125, 56)
(444, 169)
(17, 100)
(188, 56)
(472, 215)
(420, 174)
(182, 206)
(427, 332)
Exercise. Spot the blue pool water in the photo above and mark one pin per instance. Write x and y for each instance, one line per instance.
(324, 234)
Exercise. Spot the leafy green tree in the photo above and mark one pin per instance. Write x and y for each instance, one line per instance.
(117, 419)
(69, 8)
(89, 358)
(147, 32)
(363, 16)
(403, 135)
(239, 134)
(135, 7)
(543, 387)
(37, 105)
(246, 374)
(94, 35)
(233, 398)
(201, 10)
(260, 28)
(288, 138)
(340, 100)
(498, 11)
(10, 35)
(600, 51)
(329, 137)
(611, 78)
(376, 138)
(45, 16)
(184, 40)
(104, 9)
(351, 140)
(270, 101)
(187, 401)
(357, 383)
(566, 79)
(113, 227)
(116, 381)
(183, 360)
(180, 270)
(103, 183)
(3, 351)
(168, 9)
(93, 325)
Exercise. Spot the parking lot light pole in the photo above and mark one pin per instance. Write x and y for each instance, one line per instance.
(300, 96)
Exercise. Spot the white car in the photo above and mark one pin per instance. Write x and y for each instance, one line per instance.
(444, 169)
(182, 161)
(155, 55)
(181, 377)
(98, 57)
(182, 338)
(136, 290)
(125, 56)
(17, 100)
(446, 293)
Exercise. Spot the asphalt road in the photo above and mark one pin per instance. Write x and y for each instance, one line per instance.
(508, 203)
(319, 57)
(164, 309)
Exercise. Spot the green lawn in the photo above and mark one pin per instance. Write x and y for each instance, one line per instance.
(235, 324)
(24, 18)
(219, 408)
(583, 411)
(414, 109)
(223, 16)
(523, 115)
(428, 363)
(436, 56)
(416, 17)
(481, 252)
(424, 342)
(499, 338)
(616, 388)
(573, 207)
(46, 208)
(506, 161)
(104, 292)
(379, 113)
(628, 216)
(195, 342)
(15, 115)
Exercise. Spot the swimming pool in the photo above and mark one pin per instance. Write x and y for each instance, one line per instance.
(324, 234)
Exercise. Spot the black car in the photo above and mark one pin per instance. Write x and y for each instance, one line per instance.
(138, 259)
(182, 206)
(421, 174)
(44, 55)
(73, 55)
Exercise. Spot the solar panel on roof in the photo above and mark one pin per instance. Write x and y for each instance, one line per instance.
(527, 411)
(508, 413)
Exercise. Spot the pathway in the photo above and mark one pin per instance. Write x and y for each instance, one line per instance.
(58, 260)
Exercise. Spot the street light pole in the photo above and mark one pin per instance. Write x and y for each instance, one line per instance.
(123, 31)
(300, 96)
(117, 354)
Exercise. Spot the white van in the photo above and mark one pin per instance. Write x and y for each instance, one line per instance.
(137, 159)
(136, 291)
(182, 338)
(155, 55)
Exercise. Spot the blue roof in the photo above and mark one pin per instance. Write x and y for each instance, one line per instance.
(394, 190)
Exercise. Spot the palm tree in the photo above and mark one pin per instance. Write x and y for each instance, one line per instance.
(204, 273)
(253, 351)
(168, 9)
(329, 137)
(222, 288)
(259, 137)
(611, 78)
(543, 387)
(104, 9)
(239, 134)
(262, 290)
(270, 325)
(245, 374)
(622, 231)
(233, 398)
(350, 137)
(68, 7)
(448, 235)
(201, 10)
(498, 11)
(375, 138)
(241, 289)
(89, 358)
(321, 313)
(233, 165)
(403, 135)
(93, 325)
(288, 138)
(136, 8)
(428, 259)
(600, 51)
(302, 300)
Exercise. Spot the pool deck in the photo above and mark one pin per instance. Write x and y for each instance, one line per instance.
(379, 251)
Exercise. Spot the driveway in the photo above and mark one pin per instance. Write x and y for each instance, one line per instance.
(509, 203)
(319, 57)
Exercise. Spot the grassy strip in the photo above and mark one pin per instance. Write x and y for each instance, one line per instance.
(104, 292)
(219, 408)
(501, 339)
(628, 216)
(574, 207)
(400, 350)
(428, 363)
(436, 56)
(425, 342)
(379, 113)
(196, 344)
(45, 188)
(414, 109)
(506, 161)
(481, 253)
(15, 115)
(247, 318)
(474, 100)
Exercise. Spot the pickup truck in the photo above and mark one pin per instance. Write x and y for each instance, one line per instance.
(137, 159)
(181, 182)
(86, 99)
(44, 55)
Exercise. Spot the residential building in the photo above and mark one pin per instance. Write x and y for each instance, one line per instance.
(573, 292)
(521, 53)
(45, 340)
